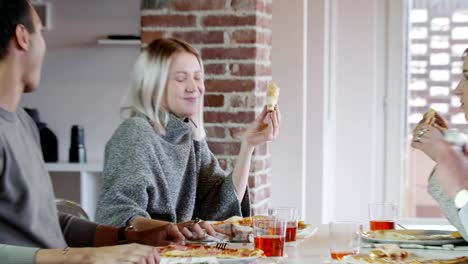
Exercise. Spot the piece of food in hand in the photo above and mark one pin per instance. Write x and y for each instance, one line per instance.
(272, 94)
(431, 118)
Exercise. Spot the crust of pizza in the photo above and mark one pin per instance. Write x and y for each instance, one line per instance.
(430, 119)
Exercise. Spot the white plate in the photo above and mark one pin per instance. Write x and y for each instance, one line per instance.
(434, 241)
(306, 232)
(238, 260)
(427, 256)
(208, 260)
(354, 259)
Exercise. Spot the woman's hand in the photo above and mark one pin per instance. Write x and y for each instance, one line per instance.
(198, 227)
(429, 140)
(265, 128)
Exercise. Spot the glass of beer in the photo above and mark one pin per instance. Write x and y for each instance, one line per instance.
(269, 236)
(345, 239)
(382, 216)
(291, 216)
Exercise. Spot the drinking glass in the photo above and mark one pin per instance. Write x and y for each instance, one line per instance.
(345, 239)
(290, 215)
(382, 216)
(269, 236)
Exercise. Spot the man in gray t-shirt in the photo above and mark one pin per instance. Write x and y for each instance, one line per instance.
(31, 229)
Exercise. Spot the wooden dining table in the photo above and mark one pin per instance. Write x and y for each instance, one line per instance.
(315, 250)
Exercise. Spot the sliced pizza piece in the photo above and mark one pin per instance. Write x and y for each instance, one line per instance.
(191, 251)
(429, 117)
(272, 95)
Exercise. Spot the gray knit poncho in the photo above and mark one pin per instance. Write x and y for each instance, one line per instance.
(167, 177)
(458, 218)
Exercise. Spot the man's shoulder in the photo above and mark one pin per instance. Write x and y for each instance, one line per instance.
(25, 119)
(25, 124)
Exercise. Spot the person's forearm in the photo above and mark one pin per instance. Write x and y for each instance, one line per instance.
(60, 256)
(455, 165)
(240, 175)
(445, 152)
(141, 223)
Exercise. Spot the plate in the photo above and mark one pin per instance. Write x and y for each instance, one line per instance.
(208, 260)
(306, 232)
(407, 236)
(238, 260)
(364, 259)
(361, 259)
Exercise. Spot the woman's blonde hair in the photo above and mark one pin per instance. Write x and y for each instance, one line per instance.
(149, 81)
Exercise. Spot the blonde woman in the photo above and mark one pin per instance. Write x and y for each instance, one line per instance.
(158, 165)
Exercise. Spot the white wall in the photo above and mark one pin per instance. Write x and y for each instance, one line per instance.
(343, 126)
(82, 82)
(358, 106)
(288, 65)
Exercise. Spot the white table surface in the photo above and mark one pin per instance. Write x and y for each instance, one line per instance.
(315, 250)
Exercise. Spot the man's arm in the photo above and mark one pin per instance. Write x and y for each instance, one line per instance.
(82, 233)
(131, 253)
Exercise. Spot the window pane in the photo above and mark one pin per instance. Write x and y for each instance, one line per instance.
(440, 24)
(440, 42)
(418, 15)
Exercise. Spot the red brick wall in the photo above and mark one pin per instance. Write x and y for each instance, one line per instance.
(234, 38)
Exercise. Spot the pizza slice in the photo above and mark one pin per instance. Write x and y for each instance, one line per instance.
(431, 118)
(191, 251)
(393, 254)
(272, 94)
(389, 251)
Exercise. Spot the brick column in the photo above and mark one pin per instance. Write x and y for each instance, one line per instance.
(234, 38)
